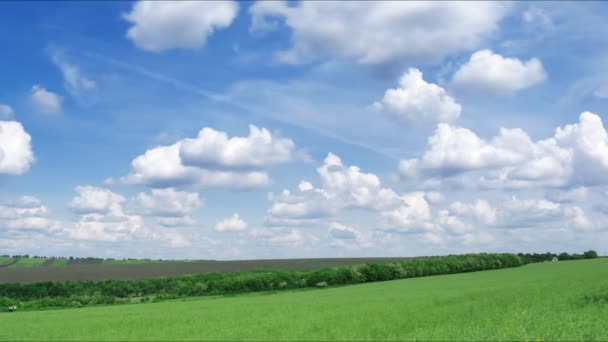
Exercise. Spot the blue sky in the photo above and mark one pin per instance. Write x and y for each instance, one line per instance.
(225, 130)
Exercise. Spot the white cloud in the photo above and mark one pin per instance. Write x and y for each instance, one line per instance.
(16, 154)
(412, 215)
(25, 206)
(340, 231)
(487, 71)
(304, 206)
(480, 210)
(162, 25)
(173, 221)
(522, 213)
(280, 237)
(27, 213)
(349, 238)
(214, 150)
(92, 199)
(6, 112)
(75, 81)
(45, 101)
(538, 18)
(170, 207)
(346, 187)
(219, 161)
(416, 100)
(577, 155)
(102, 227)
(33, 223)
(102, 217)
(385, 31)
(434, 197)
(167, 202)
(233, 223)
(568, 195)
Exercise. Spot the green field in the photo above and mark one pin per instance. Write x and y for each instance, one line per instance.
(28, 262)
(59, 262)
(546, 301)
(5, 261)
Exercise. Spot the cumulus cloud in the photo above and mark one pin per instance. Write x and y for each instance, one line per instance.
(413, 214)
(577, 155)
(6, 111)
(522, 213)
(306, 205)
(103, 216)
(162, 25)
(487, 71)
(27, 213)
(385, 31)
(233, 223)
(16, 154)
(92, 199)
(346, 187)
(167, 202)
(170, 207)
(416, 100)
(214, 150)
(45, 101)
(213, 160)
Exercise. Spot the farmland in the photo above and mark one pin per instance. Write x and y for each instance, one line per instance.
(27, 270)
(567, 300)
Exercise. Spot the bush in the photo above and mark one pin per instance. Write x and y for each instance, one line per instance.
(321, 284)
(590, 254)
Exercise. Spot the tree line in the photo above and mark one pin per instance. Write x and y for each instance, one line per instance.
(82, 292)
(540, 257)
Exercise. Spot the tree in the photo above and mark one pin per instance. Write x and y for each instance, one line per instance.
(590, 254)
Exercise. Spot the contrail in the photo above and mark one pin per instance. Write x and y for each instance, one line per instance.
(178, 84)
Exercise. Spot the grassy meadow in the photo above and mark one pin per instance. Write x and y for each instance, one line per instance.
(567, 300)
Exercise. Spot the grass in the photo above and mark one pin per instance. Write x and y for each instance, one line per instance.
(133, 262)
(546, 301)
(28, 262)
(5, 260)
(59, 262)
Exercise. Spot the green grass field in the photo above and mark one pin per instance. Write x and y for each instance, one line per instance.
(28, 262)
(59, 262)
(546, 301)
(5, 260)
(133, 262)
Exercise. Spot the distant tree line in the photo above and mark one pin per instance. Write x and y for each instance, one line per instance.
(81, 292)
(27, 256)
(540, 257)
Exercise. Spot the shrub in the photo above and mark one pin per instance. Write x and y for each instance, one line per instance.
(590, 254)
(321, 284)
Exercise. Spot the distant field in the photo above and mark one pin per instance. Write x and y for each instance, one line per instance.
(28, 262)
(62, 269)
(546, 301)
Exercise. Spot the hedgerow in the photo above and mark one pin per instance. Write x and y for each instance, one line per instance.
(80, 293)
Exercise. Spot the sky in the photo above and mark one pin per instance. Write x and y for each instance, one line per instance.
(251, 130)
